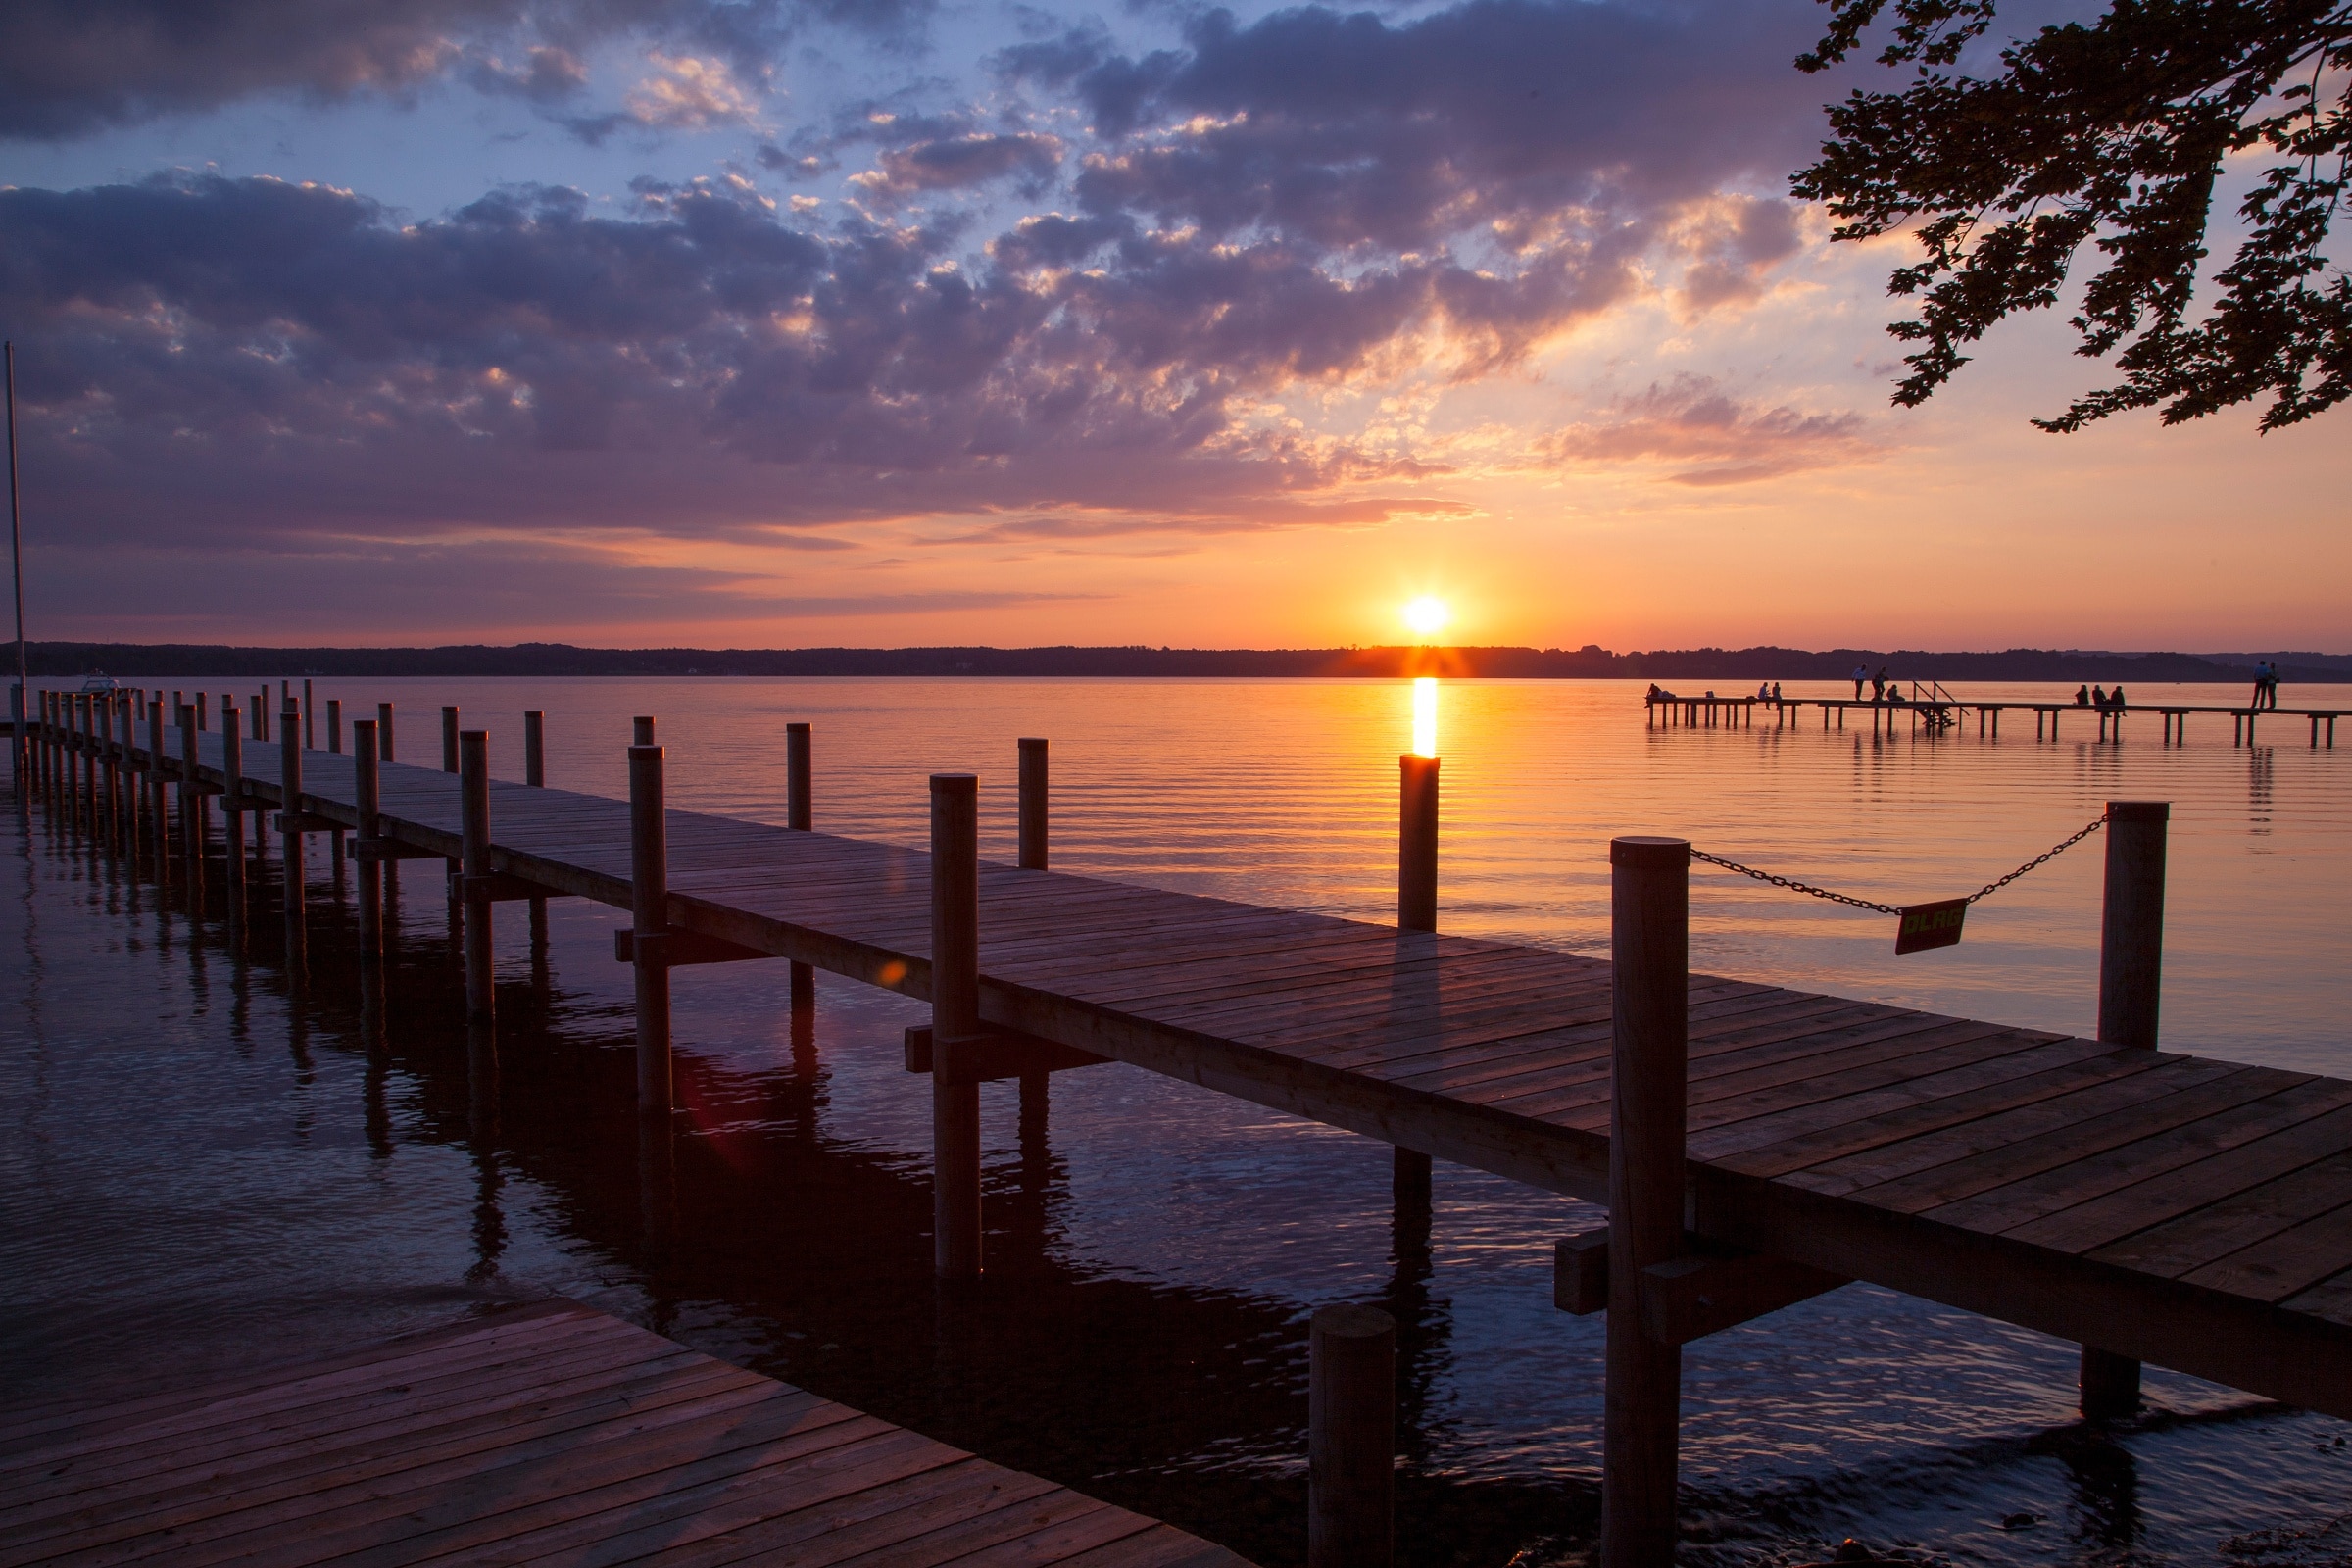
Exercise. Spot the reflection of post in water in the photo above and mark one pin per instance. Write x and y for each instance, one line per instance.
(543, 978)
(2258, 791)
(1421, 1325)
(294, 863)
(803, 1084)
(657, 1187)
(2106, 1486)
(378, 1108)
(481, 1127)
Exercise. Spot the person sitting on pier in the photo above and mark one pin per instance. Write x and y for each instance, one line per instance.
(1878, 686)
(2115, 700)
(2082, 697)
(1764, 691)
(2098, 698)
(1775, 691)
(1894, 692)
(1658, 694)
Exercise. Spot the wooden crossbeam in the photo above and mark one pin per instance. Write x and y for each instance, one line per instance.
(1704, 1292)
(997, 1053)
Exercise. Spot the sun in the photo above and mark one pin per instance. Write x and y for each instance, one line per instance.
(1426, 616)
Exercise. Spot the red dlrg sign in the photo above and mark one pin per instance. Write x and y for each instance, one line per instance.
(1929, 925)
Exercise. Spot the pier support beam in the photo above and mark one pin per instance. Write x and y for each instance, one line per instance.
(1649, 932)
(1351, 1438)
(233, 812)
(293, 820)
(473, 818)
(799, 815)
(649, 908)
(449, 740)
(367, 797)
(191, 811)
(534, 774)
(1416, 910)
(2131, 991)
(1037, 1088)
(954, 1024)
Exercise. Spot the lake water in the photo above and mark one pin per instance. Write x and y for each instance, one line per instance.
(203, 1166)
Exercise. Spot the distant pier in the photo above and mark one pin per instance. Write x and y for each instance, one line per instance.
(1672, 709)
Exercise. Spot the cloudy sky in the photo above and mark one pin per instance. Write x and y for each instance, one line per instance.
(786, 322)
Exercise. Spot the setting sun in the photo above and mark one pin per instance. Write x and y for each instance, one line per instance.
(1426, 616)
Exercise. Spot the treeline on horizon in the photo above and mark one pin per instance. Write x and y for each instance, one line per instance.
(1590, 661)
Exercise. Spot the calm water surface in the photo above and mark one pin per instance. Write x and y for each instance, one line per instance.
(206, 1165)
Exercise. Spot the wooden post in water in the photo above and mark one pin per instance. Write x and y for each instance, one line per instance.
(232, 810)
(649, 908)
(955, 1021)
(1650, 936)
(1037, 1088)
(1033, 802)
(335, 725)
(383, 731)
(534, 748)
(82, 787)
(159, 805)
(292, 813)
(191, 809)
(1350, 1437)
(474, 817)
(367, 798)
(798, 815)
(449, 740)
(2131, 987)
(102, 710)
(1416, 910)
(310, 728)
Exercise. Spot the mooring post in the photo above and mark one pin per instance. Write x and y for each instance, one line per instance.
(102, 713)
(292, 812)
(1037, 1088)
(159, 804)
(798, 815)
(2130, 989)
(335, 725)
(83, 784)
(191, 809)
(366, 798)
(1033, 802)
(534, 748)
(1650, 936)
(1350, 1437)
(1416, 910)
(649, 908)
(473, 818)
(383, 732)
(955, 1021)
(309, 730)
(448, 739)
(232, 810)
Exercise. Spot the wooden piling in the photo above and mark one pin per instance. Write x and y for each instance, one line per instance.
(534, 748)
(640, 730)
(473, 818)
(799, 816)
(2131, 987)
(1033, 802)
(649, 908)
(1351, 1438)
(1418, 843)
(335, 725)
(383, 732)
(1650, 934)
(158, 814)
(955, 1024)
(292, 817)
(191, 809)
(309, 730)
(368, 799)
(232, 809)
(799, 778)
(448, 739)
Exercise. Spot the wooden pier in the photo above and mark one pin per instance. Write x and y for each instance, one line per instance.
(540, 1434)
(2149, 1206)
(1673, 711)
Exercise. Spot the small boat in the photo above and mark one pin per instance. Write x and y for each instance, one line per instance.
(99, 684)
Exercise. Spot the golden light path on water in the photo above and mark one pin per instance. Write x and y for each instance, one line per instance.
(1425, 716)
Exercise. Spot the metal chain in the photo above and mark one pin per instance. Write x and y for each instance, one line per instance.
(1987, 890)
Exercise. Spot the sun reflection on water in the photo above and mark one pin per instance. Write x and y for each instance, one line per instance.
(1425, 716)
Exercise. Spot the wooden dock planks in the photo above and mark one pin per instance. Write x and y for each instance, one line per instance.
(2192, 1214)
(548, 1434)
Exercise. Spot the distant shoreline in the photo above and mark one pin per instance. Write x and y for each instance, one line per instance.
(55, 659)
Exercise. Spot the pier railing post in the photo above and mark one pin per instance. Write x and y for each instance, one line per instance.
(1650, 934)
(799, 816)
(1351, 1438)
(366, 798)
(2131, 991)
(383, 732)
(954, 1021)
(534, 748)
(649, 908)
(1033, 802)
(335, 725)
(473, 818)
(448, 739)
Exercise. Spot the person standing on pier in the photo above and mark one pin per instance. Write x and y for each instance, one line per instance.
(1861, 674)
(1878, 686)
